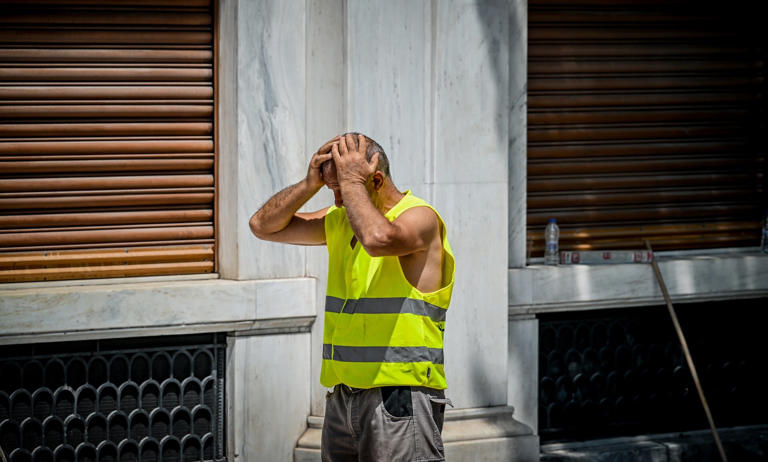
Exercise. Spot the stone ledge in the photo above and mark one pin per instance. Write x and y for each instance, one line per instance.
(538, 289)
(740, 443)
(479, 434)
(154, 308)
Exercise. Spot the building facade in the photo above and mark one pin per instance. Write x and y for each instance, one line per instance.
(443, 86)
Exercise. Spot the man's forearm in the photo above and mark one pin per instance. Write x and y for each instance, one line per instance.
(368, 224)
(278, 211)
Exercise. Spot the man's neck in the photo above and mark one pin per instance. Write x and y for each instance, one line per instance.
(388, 196)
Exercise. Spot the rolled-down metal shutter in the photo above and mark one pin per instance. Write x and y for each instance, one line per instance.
(106, 139)
(646, 119)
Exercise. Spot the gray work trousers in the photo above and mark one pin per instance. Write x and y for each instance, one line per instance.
(389, 424)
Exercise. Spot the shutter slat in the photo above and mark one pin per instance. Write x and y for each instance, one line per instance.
(103, 166)
(641, 100)
(105, 147)
(84, 93)
(105, 129)
(696, 147)
(86, 55)
(100, 111)
(124, 200)
(682, 115)
(596, 183)
(34, 221)
(53, 239)
(74, 183)
(676, 197)
(645, 82)
(126, 245)
(106, 139)
(52, 259)
(610, 133)
(96, 74)
(635, 66)
(103, 37)
(104, 18)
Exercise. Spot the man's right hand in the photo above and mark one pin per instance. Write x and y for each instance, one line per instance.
(314, 173)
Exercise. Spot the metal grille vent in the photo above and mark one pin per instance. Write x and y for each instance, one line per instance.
(621, 372)
(101, 401)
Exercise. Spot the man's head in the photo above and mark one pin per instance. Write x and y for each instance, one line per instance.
(374, 183)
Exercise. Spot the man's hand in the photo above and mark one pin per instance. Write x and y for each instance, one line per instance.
(314, 172)
(349, 157)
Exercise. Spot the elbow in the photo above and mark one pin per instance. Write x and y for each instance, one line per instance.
(256, 227)
(378, 244)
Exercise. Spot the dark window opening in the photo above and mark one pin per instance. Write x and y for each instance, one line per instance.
(105, 400)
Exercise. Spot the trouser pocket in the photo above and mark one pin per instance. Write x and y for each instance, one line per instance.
(438, 410)
(397, 401)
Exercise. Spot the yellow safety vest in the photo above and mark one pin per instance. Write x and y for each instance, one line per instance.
(379, 329)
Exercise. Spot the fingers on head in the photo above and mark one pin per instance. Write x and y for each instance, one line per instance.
(362, 143)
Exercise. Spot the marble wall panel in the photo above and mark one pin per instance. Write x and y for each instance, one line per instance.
(518, 128)
(227, 255)
(523, 382)
(476, 331)
(267, 396)
(325, 119)
(388, 83)
(471, 91)
(271, 128)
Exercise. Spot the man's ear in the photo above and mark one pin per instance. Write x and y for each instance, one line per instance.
(378, 180)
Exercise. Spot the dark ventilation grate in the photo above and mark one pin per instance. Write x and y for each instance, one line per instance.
(148, 399)
(621, 372)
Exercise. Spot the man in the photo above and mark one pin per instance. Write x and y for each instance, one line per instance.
(390, 277)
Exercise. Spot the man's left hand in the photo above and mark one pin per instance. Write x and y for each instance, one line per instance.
(349, 157)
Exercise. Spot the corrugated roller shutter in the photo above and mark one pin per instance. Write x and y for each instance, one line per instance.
(106, 139)
(646, 119)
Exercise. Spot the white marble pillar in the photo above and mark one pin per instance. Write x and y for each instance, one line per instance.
(518, 129)
(471, 110)
(267, 395)
(325, 119)
(262, 115)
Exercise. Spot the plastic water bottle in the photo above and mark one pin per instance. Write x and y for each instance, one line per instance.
(551, 246)
(764, 243)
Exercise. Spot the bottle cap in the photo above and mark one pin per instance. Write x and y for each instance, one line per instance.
(552, 220)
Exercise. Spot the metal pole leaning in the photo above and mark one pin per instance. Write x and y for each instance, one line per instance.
(687, 352)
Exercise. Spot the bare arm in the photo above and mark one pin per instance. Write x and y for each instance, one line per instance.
(411, 232)
(277, 220)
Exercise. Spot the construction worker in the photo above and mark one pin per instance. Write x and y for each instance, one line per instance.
(390, 277)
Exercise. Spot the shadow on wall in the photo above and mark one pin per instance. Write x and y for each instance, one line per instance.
(494, 15)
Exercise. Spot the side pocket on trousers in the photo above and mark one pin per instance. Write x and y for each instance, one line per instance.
(438, 410)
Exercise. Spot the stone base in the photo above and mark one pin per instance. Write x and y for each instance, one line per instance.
(740, 444)
(476, 435)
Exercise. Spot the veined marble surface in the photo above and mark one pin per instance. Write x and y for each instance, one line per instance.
(271, 127)
(267, 396)
(540, 288)
(165, 305)
(518, 129)
(388, 82)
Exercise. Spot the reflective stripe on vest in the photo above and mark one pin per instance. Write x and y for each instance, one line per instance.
(386, 305)
(379, 329)
(383, 354)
